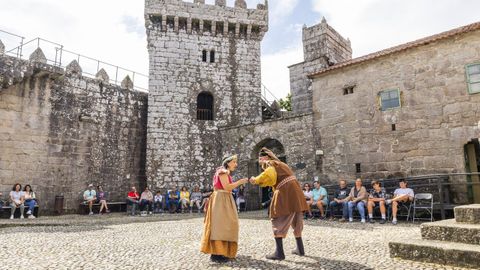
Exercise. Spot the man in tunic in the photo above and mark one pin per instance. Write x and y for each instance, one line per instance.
(287, 205)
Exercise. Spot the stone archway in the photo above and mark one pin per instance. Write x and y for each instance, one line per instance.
(278, 149)
(272, 144)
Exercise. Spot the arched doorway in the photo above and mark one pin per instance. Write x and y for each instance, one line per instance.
(264, 194)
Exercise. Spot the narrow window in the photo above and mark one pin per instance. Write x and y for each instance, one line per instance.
(170, 22)
(207, 26)
(219, 26)
(231, 28)
(473, 78)
(204, 55)
(205, 106)
(195, 25)
(389, 99)
(348, 90)
(212, 56)
(394, 127)
(182, 23)
(358, 167)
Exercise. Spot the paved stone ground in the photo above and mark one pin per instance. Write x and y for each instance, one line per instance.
(172, 242)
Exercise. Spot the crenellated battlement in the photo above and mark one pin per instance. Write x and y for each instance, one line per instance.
(197, 17)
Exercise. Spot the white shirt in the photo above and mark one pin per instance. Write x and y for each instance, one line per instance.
(308, 194)
(403, 191)
(16, 196)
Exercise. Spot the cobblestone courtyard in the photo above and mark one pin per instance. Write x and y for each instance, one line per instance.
(167, 242)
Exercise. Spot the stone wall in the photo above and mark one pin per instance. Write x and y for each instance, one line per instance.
(436, 119)
(322, 47)
(60, 131)
(296, 136)
(182, 150)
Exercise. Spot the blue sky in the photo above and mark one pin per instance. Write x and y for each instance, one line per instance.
(113, 30)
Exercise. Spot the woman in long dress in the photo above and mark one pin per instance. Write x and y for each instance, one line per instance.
(220, 235)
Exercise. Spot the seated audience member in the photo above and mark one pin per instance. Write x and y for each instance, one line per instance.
(30, 200)
(173, 200)
(400, 195)
(340, 199)
(307, 192)
(240, 196)
(357, 198)
(90, 197)
(377, 198)
(102, 199)
(158, 202)
(196, 199)
(146, 200)
(206, 192)
(184, 198)
(17, 200)
(319, 198)
(133, 199)
(1, 202)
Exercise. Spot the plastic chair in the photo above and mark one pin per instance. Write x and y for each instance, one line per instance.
(423, 201)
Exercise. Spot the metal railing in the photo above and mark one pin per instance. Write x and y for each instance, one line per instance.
(268, 96)
(58, 56)
(7, 38)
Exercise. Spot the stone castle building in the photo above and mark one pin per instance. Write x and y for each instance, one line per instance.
(204, 75)
(408, 110)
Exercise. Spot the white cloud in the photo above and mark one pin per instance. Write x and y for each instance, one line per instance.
(374, 25)
(113, 30)
(275, 73)
(280, 10)
(109, 30)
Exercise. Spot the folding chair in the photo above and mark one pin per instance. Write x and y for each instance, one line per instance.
(423, 201)
(407, 206)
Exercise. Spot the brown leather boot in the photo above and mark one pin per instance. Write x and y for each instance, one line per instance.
(300, 251)
(278, 254)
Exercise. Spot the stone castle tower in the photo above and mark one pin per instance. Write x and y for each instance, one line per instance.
(323, 46)
(204, 75)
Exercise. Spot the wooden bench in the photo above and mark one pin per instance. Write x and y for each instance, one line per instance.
(6, 211)
(112, 206)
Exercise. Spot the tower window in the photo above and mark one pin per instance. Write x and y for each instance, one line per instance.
(207, 26)
(204, 55)
(348, 90)
(394, 127)
(205, 106)
(358, 167)
(170, 22)
(212, 56)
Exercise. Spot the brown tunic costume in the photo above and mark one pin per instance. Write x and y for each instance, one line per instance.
(288, 197)
(288, 201)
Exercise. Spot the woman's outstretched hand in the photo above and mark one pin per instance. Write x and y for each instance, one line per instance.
(252, 180)
(243, 181)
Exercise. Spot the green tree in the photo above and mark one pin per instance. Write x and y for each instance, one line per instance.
(286, 103)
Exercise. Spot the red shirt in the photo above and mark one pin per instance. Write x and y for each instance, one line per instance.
(132, 194)
(216, 178)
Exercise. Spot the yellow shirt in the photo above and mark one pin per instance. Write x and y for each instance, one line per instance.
(185, 195)
(267, 178)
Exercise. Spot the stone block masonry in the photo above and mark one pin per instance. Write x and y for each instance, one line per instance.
(323, 46)
(199, 49)
(60, 131)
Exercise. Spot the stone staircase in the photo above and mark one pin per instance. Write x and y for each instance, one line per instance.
(452, 242)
